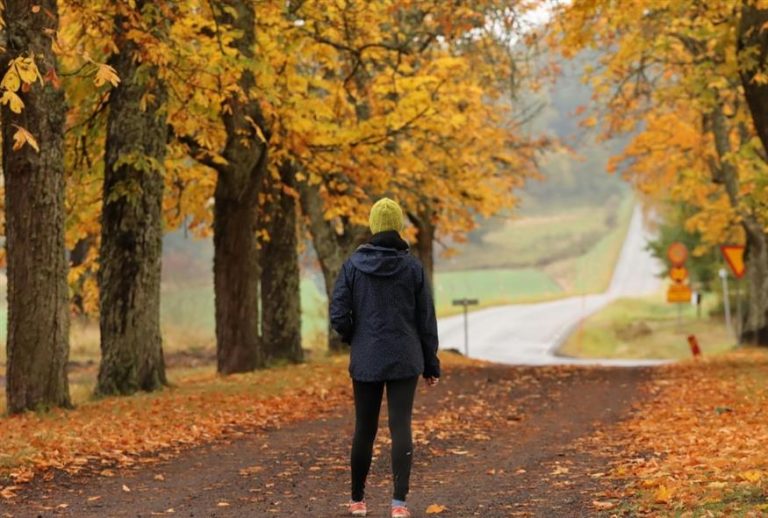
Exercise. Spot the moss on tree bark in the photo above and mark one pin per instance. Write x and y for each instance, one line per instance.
(132, 225)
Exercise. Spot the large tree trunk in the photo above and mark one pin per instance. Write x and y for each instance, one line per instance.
(425, 239)
(38, 306)
(236, 272)
(332, 248)
(132, 225)
(755, 325)
(753, 47)
(236, 265)
(280, 291)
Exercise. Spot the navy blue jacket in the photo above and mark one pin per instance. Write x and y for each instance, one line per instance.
(382, 306)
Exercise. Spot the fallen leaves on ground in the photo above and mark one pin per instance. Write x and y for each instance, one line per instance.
(201, 407)
(700, 442)
(435, 509)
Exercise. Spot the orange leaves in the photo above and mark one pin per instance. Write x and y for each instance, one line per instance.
(22, 72)
(122, 432)
(22, 137)
(101, 436)
(105, 74)
(701, 436)
(13, 101)
(663, 75)
(435, 509)
(8, 492)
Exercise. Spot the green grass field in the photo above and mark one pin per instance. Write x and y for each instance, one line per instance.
(646, 328)
(492, 287)
(539, 238)
(188, 314)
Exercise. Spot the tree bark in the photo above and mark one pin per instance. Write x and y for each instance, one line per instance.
(425, 239)
(236, 271)
(236, 264)
(755, 325)
(753, 49)
(332, 247)
(38, 306)
(280, 277)
(132, 225)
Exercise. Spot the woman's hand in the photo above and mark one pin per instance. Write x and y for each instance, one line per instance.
(431, 381)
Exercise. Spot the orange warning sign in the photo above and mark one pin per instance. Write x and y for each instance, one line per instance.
(677, 253)
(734, 256)
(678, 273)
(679, 293)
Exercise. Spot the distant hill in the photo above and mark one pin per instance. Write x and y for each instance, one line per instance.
(568, 212)
(577, 178)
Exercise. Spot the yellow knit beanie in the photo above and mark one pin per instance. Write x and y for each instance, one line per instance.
(386, 215)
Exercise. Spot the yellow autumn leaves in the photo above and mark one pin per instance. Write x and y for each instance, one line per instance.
(669, 74)
(21, 73)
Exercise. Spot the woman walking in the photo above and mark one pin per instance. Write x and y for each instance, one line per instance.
(382, 306)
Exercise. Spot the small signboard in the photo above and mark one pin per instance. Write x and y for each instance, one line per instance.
(678, 273)
(679, 293)
(734, 256)
(466, 303)
(677, 253)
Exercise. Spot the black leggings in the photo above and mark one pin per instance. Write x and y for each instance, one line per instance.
(400, 407)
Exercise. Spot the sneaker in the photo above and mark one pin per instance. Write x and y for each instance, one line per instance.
(358, 508)
(400, 512)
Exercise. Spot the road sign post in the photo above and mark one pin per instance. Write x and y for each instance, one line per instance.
(726, 298)
(466, 303)
(679, 291)
(734, 257)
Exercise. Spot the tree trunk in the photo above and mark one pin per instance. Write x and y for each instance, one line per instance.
(38, 306)
(280, 290)
(236, 272)
(332, 247)
(755, 325)
(425, 239)
(132, 226)
(753, 49)
(236, 265)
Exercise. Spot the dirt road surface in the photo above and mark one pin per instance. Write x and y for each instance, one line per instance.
(492, 441)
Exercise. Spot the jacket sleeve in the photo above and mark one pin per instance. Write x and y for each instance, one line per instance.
(341, 306)
(427, 324)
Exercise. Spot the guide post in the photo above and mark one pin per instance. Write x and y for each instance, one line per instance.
(466, 303)
(734, 257)
(726, 299)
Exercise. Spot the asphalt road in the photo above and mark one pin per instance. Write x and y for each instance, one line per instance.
(529, 334)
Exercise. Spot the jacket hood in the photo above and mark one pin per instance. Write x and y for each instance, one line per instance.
(379, 260)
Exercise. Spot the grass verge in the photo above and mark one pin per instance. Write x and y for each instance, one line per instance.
(646, 328)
